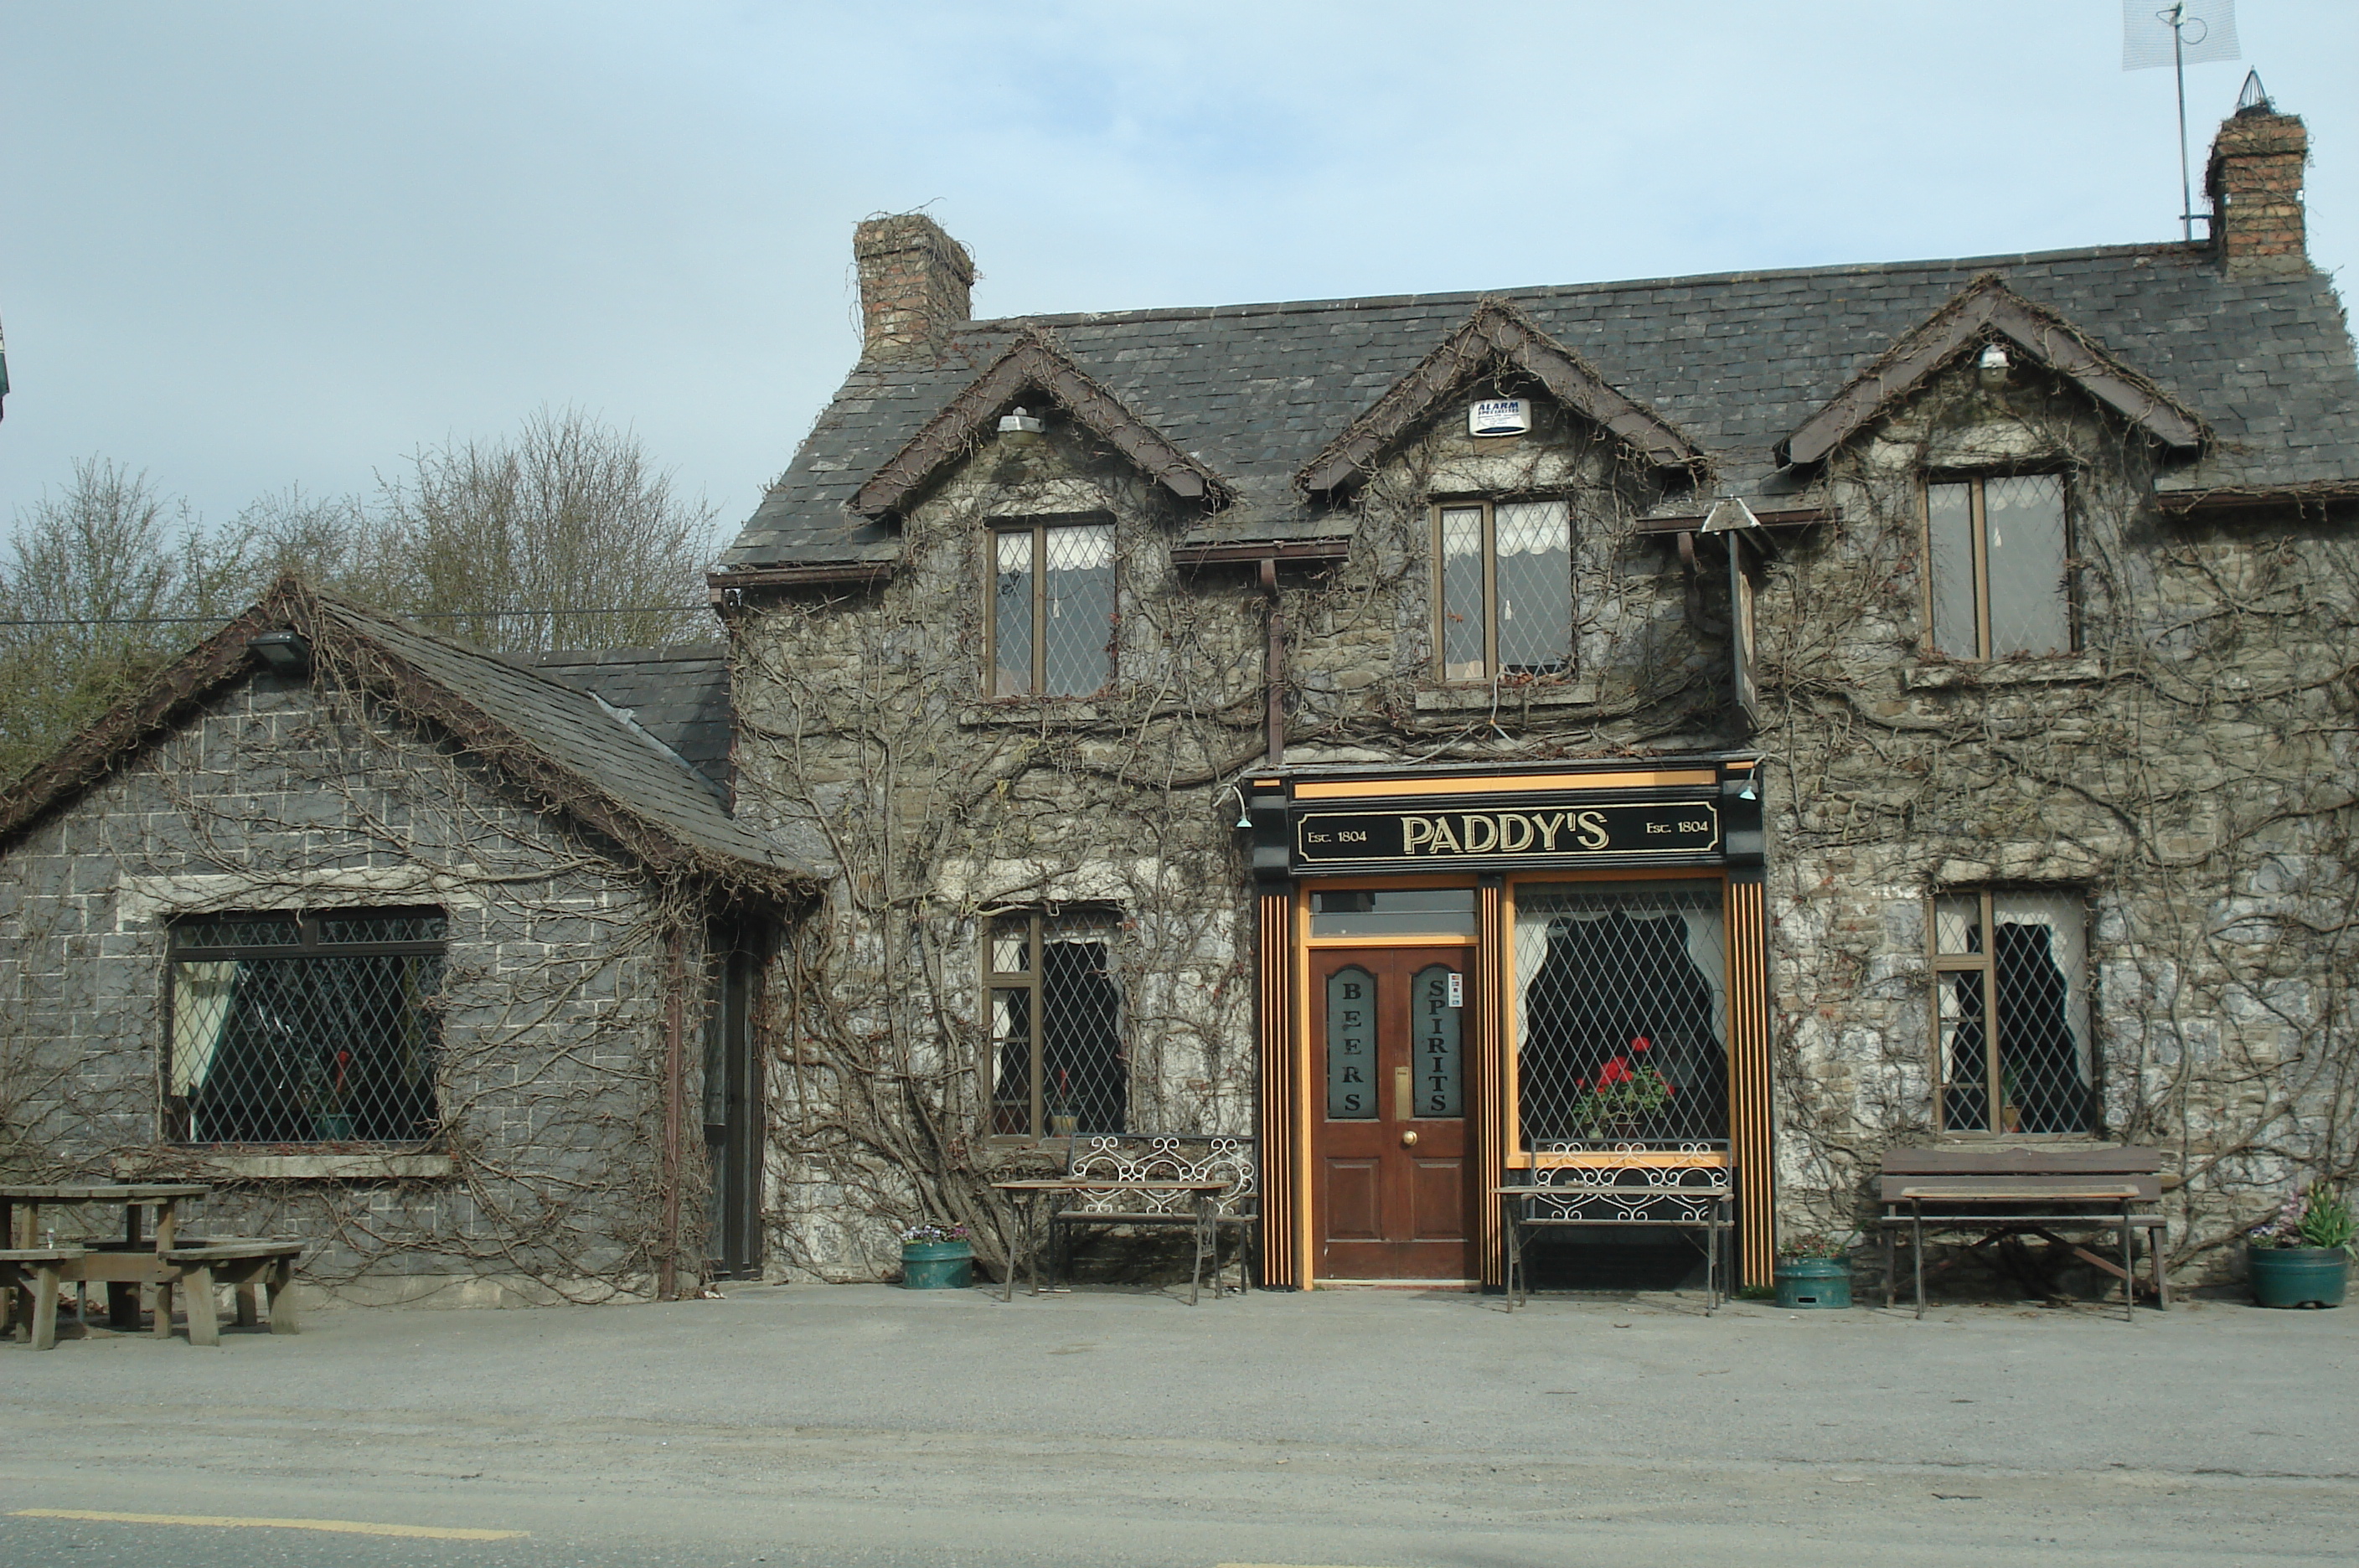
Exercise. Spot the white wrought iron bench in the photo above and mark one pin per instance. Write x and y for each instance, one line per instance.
(1103, 1184)
(1613, 1184)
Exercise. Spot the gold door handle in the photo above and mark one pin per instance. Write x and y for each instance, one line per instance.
(1408, 1138)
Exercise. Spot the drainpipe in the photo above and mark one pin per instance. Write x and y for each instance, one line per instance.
(675, 1090)
(1275, 664)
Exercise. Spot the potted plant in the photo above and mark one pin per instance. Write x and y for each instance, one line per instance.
(936, 1257)
(2302, 1256)
(1626, 1092)
(1814, 1271)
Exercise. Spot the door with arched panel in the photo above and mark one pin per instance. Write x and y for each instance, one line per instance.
(1393, 1198)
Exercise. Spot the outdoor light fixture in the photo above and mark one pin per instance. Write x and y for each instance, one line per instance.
(1020, 427)
(1990, 367)
(1750, 792)
(285, 653)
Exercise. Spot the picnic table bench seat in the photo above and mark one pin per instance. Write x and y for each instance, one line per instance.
(246, 1264)
(1993, 1194)
(190, 1266)
(37, 1272)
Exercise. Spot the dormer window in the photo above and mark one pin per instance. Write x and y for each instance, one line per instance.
(1996, 553)
(1051, 626)
(1504, 589)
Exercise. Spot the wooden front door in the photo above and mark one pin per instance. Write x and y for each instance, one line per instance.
(1394, 1194)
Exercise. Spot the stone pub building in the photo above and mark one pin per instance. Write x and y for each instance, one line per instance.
(1782, 713)
(1769, 717)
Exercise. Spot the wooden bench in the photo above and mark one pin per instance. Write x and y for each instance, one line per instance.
(37, 1272)
(1105, 1175)
(194, 1269)
(1993, 1194)
(1612, 1185)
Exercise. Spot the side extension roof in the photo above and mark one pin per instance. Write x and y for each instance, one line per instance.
(567, 752)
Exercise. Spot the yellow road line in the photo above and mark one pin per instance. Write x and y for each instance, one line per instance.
(222, 1521)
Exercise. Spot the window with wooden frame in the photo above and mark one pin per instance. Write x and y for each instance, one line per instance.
(1998, 553)
(1051, 631)
(1058, 1064)
(1502, 588)
(304, 1027)
(2011, 1013)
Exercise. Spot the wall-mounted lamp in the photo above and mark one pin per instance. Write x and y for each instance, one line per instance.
(1020, 428)
(1751, 790)
(1244, 812)
(284, 652)
(1990, 367)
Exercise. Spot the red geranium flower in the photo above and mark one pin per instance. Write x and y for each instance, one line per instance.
(1614, 1072)
(1642, 1043)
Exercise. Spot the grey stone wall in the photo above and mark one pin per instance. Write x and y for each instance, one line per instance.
(2182, 773)
(544, 1183)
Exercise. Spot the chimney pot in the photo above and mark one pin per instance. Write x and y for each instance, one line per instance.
(915, 282)
(2253, 179)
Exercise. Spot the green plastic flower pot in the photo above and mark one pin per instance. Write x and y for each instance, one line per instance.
(1810, 1282)
(2298, 1276)
(936, 1265)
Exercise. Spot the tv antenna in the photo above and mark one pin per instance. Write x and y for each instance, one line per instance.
(2181, 34)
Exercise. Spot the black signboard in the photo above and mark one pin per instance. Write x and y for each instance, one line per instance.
(1438, 836)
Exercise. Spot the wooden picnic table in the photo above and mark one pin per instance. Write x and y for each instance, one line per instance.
(20, 1226)
(1031, 1196)
(157, 1257)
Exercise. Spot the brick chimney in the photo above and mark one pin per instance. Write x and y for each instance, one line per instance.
(2254, 183)
(914, 280)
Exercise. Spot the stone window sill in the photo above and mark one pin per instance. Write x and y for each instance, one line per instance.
(343, 1166)
(1948, 676)
(1023, 713)
(1506, 695)
(2048, 1142)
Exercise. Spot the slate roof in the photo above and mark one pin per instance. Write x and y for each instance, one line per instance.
(1735, 362)
(678, 694)
(574, 729)
(566, 748)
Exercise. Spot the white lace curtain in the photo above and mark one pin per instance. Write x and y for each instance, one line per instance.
(1697, 909)
(202, 994)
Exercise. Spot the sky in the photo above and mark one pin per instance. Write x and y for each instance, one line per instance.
(245, 246)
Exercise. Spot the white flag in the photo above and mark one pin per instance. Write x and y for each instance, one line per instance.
(2207, 31)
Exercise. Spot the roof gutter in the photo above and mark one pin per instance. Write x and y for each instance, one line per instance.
(724, 590)
(2252, 498)
(1790, 517)
(1317, 552)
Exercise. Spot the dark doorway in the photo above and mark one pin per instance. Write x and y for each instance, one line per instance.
(734, 1122)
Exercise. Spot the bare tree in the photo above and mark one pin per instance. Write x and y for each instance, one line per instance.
(92, 579)
(566, 516)
(521, 543)
(329, 540)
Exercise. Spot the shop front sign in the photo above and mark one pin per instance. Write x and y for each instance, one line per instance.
(1519, 836)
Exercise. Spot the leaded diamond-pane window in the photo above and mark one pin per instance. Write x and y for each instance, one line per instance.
(1052, 609)
(2011, 1013)
(1998, 554)
(1622, 1010)
(305, 1027)
(1058, 1064)
(1504, 589)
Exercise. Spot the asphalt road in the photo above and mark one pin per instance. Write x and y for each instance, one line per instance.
(866, 1425)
